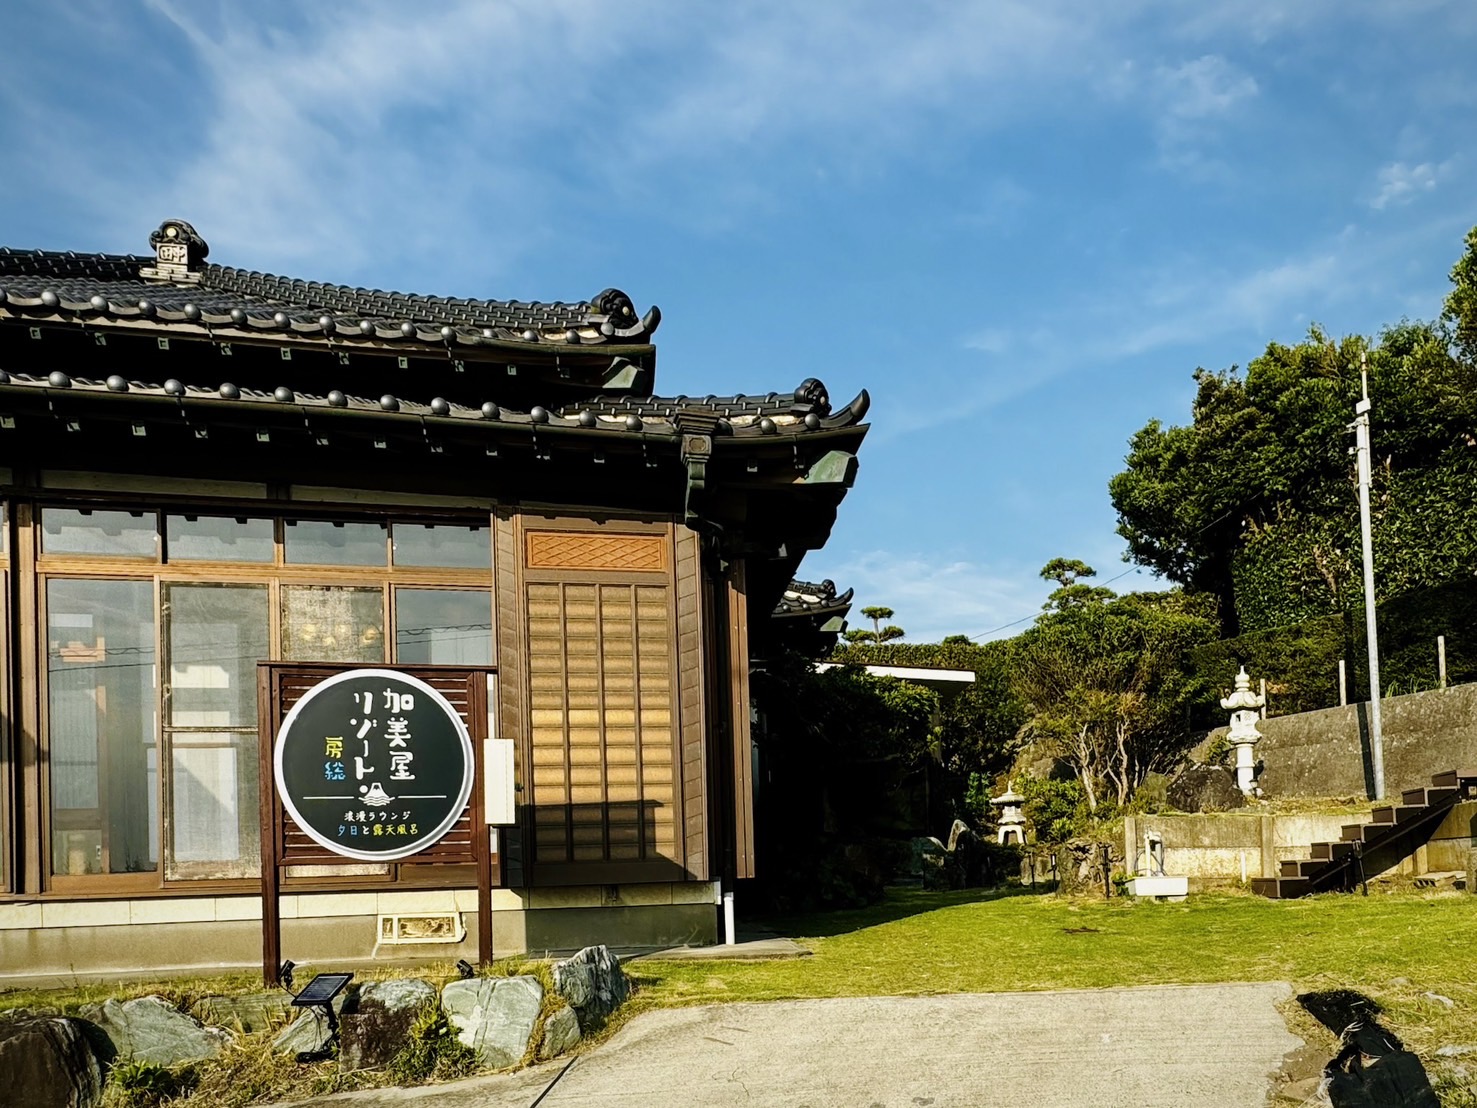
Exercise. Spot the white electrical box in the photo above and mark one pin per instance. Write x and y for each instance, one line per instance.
(497, 781)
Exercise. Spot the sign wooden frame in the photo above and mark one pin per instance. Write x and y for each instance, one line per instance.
(279, 686)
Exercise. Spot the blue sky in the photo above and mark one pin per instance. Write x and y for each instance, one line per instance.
(1021, 225)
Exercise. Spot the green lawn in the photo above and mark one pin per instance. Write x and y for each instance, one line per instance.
(1393, 946)
(918, 942)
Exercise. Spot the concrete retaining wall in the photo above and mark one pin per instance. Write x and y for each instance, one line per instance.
(1327, 753)
(1211, 849)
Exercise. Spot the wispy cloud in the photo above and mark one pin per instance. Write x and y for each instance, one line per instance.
(933, 598)
(1194, 97)
(1399, 182)
(1172, 304)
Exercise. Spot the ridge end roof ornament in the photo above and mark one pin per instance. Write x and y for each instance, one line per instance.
(179, 253)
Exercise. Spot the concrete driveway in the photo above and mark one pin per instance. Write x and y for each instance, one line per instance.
(1171, 1046)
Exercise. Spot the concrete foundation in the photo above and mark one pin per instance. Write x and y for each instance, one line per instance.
(57, 941)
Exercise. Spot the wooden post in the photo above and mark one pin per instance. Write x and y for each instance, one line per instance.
(1441, 658)
(266, 703)
(1343, 685)
(480, 712)
(1264, 698)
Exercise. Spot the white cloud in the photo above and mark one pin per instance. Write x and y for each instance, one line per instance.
(1399, 183)
(1209, 87)
(933, 598)
(1174, 303)
(1193, 99)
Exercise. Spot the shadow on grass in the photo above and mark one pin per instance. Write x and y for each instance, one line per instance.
(898, 902)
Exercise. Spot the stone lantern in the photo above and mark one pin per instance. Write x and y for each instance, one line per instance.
(1012, 818)
(1244, 705)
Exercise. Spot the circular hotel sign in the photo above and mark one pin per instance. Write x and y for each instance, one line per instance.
(374, 764)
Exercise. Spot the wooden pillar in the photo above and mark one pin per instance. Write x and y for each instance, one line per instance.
(29, 639)
(740, 738)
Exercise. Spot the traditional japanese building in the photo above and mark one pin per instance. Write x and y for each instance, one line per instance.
(218, 482)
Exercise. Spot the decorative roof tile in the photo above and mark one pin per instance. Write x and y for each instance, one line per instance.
(806, 598)
(178, 286)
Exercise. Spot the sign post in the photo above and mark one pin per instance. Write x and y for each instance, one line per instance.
(372, 764)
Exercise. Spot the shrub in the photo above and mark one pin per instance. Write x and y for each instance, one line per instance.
(432, 1051)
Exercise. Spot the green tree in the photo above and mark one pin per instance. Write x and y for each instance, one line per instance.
(1254, 502)
(1105, 685)
(1460, 312)
(1069, 573)
(879, 634)
(976, 729)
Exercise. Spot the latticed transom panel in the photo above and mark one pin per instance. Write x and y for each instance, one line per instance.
(636, 553)
(602, 726)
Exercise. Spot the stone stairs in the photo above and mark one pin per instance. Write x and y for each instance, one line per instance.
(1394, 833)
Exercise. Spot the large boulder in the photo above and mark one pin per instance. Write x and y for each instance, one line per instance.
(1206, 789)
(150, 1029)
(247, 1013)
(48, 1063)
(561, 1033)
(310, 1032)
(495, 1016)
(593, 983)
(926, 853)
(968, 850)
(376, 1025)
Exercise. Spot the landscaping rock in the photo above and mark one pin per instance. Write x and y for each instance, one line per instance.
(310, 1031)
(150, 1029)
(969, 854)
(925, 852)
(48, 1063)
(1206, 789)
(495, 1016)
(593, 984)
(561, 1033)
(377, 1025)
(252, 1012)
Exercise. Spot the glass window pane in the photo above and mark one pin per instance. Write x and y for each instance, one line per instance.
(443, 626)
(419, 544)
(216, 634)
(213, 806)
(219, 539)
(317, 542)
(88, 531)
(101, 726)
(327, 623)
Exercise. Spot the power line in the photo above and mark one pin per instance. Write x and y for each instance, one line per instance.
(1033, 615)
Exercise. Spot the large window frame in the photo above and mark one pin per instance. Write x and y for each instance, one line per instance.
(273, 576)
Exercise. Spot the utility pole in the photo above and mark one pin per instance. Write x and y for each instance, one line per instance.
(1360, 428)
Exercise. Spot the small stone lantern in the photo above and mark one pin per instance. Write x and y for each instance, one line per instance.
(1243, 705)
(1012, 818)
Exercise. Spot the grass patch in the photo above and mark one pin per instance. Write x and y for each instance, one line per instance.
(1397, 945)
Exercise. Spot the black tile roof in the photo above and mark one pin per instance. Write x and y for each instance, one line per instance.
(141, 288)
(741, 416)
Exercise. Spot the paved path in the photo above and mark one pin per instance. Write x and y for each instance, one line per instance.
(1173, 1046)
